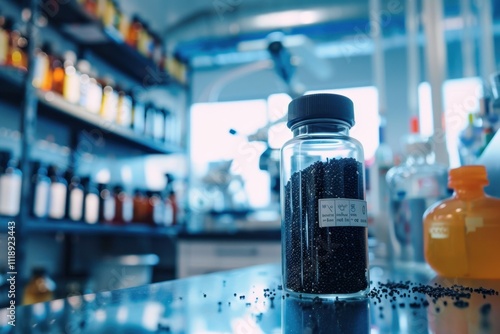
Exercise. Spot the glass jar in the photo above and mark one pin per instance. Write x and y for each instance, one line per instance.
(324, 219)
(413, 186)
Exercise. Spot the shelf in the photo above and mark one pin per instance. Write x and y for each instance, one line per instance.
(51, 103)
(11, 82)
(71, 227)
(4, 220)
(86, 30)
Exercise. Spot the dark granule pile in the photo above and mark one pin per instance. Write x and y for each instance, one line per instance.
(458, 294)
(323, 260)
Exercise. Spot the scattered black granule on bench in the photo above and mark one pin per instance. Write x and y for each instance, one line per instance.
(485, 309)
(323, 260)
(458, 294)
(461, 304)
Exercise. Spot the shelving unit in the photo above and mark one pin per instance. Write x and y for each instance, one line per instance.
(86, 30)
(54, 105)
(88, 33)
(57, 105)
(79, 228)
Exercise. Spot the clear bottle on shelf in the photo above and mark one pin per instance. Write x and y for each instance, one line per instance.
(5, 28)
(108, 18)
(413, 186)
(10, 185)
(462, 232)
(91, 202)
(107, 204)
(71, 85)
(83, 67)
(158, 205)
(149, 123)
(159, 128)
(157, 50)
(124, 25)
(94, 96)
(42, 67)
(143, 43)
(100, 8)
(58, 194)
(109, 107)
(48, 80)
(470, 141)
(40, 191)
(124, 206)
(138, 117)
(168, 207)
(76, 197)
(124, 113)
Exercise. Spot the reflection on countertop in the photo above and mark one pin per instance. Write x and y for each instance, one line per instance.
(251, 300)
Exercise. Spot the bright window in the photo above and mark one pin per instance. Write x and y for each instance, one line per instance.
(221, 151)
(228, 139)
(461, 97)
(366, 115)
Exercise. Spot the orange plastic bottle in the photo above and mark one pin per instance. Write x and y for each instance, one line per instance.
(462, 233)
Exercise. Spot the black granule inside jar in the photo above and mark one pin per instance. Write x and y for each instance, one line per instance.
(323, 260)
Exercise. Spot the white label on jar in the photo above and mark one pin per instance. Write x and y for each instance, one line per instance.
(57, 200)
(10, 197)
(334, 212)
(41, 205)
(439, 230)
(76, 204)
(91, 208)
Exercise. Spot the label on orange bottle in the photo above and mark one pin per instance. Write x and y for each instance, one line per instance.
(472, 223)
(439, 230)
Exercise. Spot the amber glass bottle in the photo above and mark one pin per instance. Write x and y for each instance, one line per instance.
(57, 76)
(40, 288)
(462, 233)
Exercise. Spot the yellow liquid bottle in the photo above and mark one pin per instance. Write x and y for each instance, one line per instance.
(40, 288)
(462, 233)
